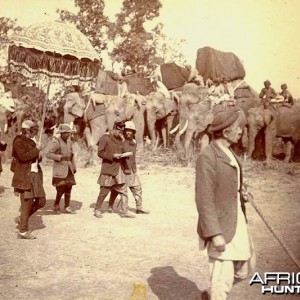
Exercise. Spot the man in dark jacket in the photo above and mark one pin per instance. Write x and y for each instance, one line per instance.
(132, 179)
(112, 176)
(28, 178)
(222, 225)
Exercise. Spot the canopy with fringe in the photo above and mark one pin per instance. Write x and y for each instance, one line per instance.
(53, 49)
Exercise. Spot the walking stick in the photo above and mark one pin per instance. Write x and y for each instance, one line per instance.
(270, 227)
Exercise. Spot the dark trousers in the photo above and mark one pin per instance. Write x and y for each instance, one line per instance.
(136, 190)
(29, 207)
(64, 189)
(119, 188)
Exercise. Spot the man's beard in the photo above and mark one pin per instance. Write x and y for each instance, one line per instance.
(129, 137)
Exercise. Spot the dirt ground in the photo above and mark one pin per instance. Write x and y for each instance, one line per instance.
(81, 257)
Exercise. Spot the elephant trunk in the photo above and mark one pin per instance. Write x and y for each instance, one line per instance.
(184, 127)
(252, 133)
(151, 125)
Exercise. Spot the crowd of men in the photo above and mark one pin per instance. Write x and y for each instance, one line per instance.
(117, 148)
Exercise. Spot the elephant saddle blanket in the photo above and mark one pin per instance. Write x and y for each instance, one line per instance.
(95, 110)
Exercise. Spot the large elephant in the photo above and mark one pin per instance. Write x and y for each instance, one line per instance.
(194, 117)
(160, 111)
(193, 114)
(198, 121)
(117, 109)
(280, 121)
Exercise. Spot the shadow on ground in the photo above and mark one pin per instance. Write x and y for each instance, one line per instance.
(167, 284)
(37, 221)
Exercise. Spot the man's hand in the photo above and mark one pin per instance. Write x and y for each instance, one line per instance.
(219, 242)
(117, 155)
(246, 194)
(126, 154)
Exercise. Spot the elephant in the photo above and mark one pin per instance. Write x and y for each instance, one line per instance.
(194, 100)
(190, 100)
(279, 121)
(117, 109)
(198, 121)
(160, 111)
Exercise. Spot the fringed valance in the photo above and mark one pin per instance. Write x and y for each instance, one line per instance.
(30, 63)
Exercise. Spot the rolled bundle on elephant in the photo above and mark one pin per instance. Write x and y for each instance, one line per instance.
(212, 63)
(173, 76)
(139, 84)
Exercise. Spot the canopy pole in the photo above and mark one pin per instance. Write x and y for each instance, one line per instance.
(44, 113)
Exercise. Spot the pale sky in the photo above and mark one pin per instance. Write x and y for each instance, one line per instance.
(264, 34)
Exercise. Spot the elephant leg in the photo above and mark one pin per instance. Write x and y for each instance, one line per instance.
(140, 128)
(244, 138)
(270, 135)
(169, 123)
(177, 141)
(289, 147)
(88, 136)
(187, 143)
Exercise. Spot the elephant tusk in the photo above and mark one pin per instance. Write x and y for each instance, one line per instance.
(184, 127)
(174, 129)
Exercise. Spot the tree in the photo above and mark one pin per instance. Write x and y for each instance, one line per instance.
(90, 20)
(168, 49)
(7, 27)
(132, 42)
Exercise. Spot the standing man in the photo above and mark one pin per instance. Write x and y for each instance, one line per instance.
(64, 168)
(74, 106)
(3, 146)
(222, 225)
(132, 179)
(28, 177)
(267, 93)
(112, 176)
(122, 87)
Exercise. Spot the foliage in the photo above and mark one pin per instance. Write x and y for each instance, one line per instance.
(7, 27)
(168, 49)
(30, 98)
(90, 20)
(132, 42)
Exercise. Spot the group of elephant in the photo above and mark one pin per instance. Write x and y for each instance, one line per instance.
(194, 112)
(186, 117)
